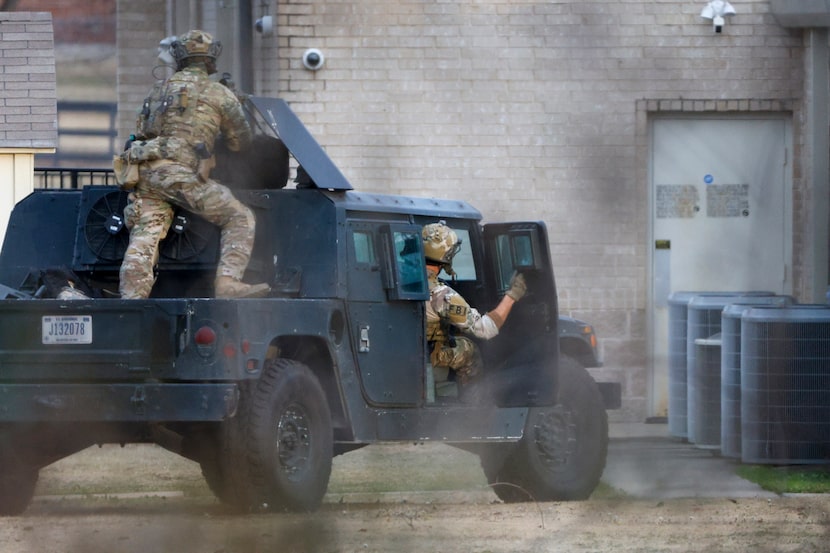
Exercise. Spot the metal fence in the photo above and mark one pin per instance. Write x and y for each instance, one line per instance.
(87, 135)
(48, 177)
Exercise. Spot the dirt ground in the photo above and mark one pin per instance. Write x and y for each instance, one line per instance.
(382, 499)
(782, 525)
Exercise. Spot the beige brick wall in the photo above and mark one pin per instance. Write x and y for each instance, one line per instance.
(140, 26)
(530, 110)
(28, 101)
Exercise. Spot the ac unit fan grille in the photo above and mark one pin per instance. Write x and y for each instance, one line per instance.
(104, 229)
(785, 377)
(103, 237)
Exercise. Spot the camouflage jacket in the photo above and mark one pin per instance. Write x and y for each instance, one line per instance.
(194, 112)
(446, 308)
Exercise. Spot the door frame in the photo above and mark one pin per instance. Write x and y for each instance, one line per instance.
(657, 406)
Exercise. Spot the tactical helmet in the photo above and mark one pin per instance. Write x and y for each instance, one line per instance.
(195, 44)
(440, 242)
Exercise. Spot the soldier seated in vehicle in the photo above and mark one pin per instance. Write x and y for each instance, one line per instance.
(455, 357)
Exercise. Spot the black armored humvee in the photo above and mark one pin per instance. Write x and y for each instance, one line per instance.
(262, 393)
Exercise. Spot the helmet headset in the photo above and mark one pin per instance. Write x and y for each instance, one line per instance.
(196, 47)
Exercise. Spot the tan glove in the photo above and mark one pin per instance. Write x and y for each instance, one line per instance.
(518, 287)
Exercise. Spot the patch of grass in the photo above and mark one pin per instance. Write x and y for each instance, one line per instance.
(604, 491)
(788, 479)
(112, 469)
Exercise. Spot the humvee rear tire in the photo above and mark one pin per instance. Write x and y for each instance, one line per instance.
(17, 487)
(289, 438)
(562, 453)
(213, 477)
(224, 465)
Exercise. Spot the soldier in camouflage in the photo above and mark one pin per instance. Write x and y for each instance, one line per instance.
(447, 311)
(177, 127)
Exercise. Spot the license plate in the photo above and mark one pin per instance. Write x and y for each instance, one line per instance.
(67, 329)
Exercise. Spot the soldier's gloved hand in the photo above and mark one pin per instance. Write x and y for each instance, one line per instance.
(518, 287)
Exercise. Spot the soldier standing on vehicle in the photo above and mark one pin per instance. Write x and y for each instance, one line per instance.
(447, 311)
(177, 127)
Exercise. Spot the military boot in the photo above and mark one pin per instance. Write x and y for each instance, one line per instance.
(71, 293)
(229, 287)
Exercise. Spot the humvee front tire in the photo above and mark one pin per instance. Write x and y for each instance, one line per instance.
(289, 438)
(562, 453)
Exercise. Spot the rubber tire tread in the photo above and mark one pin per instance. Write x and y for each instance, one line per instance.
(285, 382)
(225, 468)
(521, 476)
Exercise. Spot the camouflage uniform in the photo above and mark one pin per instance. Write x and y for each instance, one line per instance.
(445, 310)
(199, 111)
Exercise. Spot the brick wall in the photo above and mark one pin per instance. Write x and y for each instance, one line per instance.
(28, 105)
(89, 21)
(140, 27)
(531, 110)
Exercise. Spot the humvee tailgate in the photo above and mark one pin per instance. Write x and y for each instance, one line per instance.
(86, 340)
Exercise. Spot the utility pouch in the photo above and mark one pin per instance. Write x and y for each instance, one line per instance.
(126, 173)
(151, 117)
(145, 150)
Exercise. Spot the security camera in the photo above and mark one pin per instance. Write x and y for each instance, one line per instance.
(717, 23)
(264, 25)
(313, 59)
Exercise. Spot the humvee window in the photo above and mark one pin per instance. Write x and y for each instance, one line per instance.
(522, 251)
(516, 250)
(504, 263)
(463, 263)
(364, 251)
(404, 264)
(410, 260)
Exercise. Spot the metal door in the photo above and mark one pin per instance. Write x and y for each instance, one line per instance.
(721, 220)
(387, 295)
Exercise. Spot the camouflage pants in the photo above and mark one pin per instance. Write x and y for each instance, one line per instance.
(463, 358)
(149, 215)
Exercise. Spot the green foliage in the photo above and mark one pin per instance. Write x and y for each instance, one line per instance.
(604, 491)
(788, 479)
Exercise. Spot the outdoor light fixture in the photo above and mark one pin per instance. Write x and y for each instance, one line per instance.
(717, 10)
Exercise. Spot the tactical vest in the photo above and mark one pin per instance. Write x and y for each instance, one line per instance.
(178, 96)
(151, 116)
